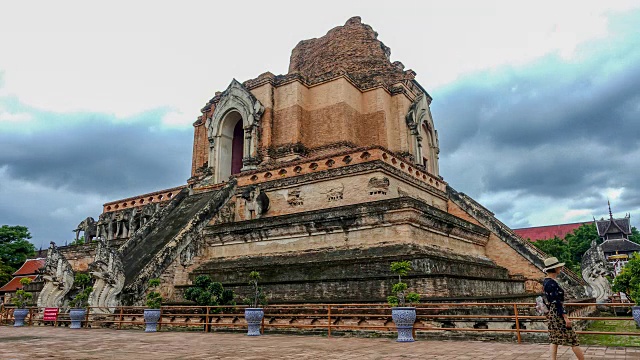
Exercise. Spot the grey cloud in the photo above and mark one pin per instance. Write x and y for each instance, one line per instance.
(552, 129)
(62, 170)
(92, 153)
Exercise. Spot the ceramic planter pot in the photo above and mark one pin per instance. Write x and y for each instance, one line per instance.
(77, 317)
(151, 317)
(19, 315)
(635, 311)
(404, 318)
(254, 320)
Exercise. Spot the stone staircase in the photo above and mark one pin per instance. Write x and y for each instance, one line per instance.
(172, 230)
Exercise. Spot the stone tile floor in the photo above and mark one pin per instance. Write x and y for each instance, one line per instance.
(63, 343)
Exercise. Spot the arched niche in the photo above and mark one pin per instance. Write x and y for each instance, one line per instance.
(233, 132)
(423, 136)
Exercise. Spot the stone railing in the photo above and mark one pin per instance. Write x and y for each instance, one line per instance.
(160, 196)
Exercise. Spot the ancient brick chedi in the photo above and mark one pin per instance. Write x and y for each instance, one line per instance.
(318, 179)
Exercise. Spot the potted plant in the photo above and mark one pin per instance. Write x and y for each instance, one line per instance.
(404, 317)
(20, 301)
(79, 302)
(254, 315)
(152, 312)
(628, 282)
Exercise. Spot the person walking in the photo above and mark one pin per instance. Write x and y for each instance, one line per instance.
(560, 330)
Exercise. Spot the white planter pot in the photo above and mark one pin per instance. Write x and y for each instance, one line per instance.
(404, 318)
(254, 318)
(77, 317)
(19, 315)
(635, 311)
(151, 317)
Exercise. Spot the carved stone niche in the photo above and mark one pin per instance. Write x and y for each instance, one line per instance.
(378, 186)
(294, 197)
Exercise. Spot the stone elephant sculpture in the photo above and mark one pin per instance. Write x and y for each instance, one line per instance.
(89, 227)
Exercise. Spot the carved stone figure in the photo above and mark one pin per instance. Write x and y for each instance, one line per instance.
(58, 279)
(122, 225)
(595, 268)
(294, 197)
(105, 226)
(88, 226)
(108, 272)
(336, 193)
(134, 221)
(256, 202)
(147, 212)
(378, 186)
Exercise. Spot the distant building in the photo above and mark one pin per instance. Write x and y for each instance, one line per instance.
(29, 270)
(616, 246)
(548, 231)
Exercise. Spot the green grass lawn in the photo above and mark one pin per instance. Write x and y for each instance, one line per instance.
(611, 340)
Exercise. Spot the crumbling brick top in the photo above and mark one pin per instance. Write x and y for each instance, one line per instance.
(352, 49)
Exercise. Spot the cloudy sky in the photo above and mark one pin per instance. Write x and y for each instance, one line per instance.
(537, 104)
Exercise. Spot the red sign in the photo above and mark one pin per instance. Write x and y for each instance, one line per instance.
(50, 314)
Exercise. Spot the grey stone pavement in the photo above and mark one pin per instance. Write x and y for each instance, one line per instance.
(63, 343)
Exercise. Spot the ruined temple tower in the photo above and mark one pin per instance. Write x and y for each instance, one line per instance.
(319, 179)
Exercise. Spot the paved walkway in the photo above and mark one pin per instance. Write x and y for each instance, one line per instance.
(63, 343)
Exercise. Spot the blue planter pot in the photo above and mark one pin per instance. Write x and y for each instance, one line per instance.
(19, 315)
(151, 317)
(404, 318)
(635, 311)
(254, 320)
(77, 317)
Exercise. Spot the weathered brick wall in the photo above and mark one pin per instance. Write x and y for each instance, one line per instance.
(200, 146)
(353, 48)
(361, 275)
(503, 254)
(80, 256)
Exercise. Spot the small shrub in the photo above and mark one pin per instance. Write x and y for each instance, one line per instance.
(81, 282)
(400, 297)
(206, 292)
(154, 299)
(258, 295)
(22, 297)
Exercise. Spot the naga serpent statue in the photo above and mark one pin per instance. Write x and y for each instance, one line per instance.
(108, 272)
(58, 276)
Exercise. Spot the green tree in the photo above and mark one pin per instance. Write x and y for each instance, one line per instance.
(15, 247)
(628, 281)
(635, 235)
(579, 241)
(571, 249)
(5, 273)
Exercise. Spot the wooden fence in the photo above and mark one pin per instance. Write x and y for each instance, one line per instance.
(487, 317)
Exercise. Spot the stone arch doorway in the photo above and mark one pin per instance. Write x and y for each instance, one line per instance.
(231, 145)
(233, 132)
